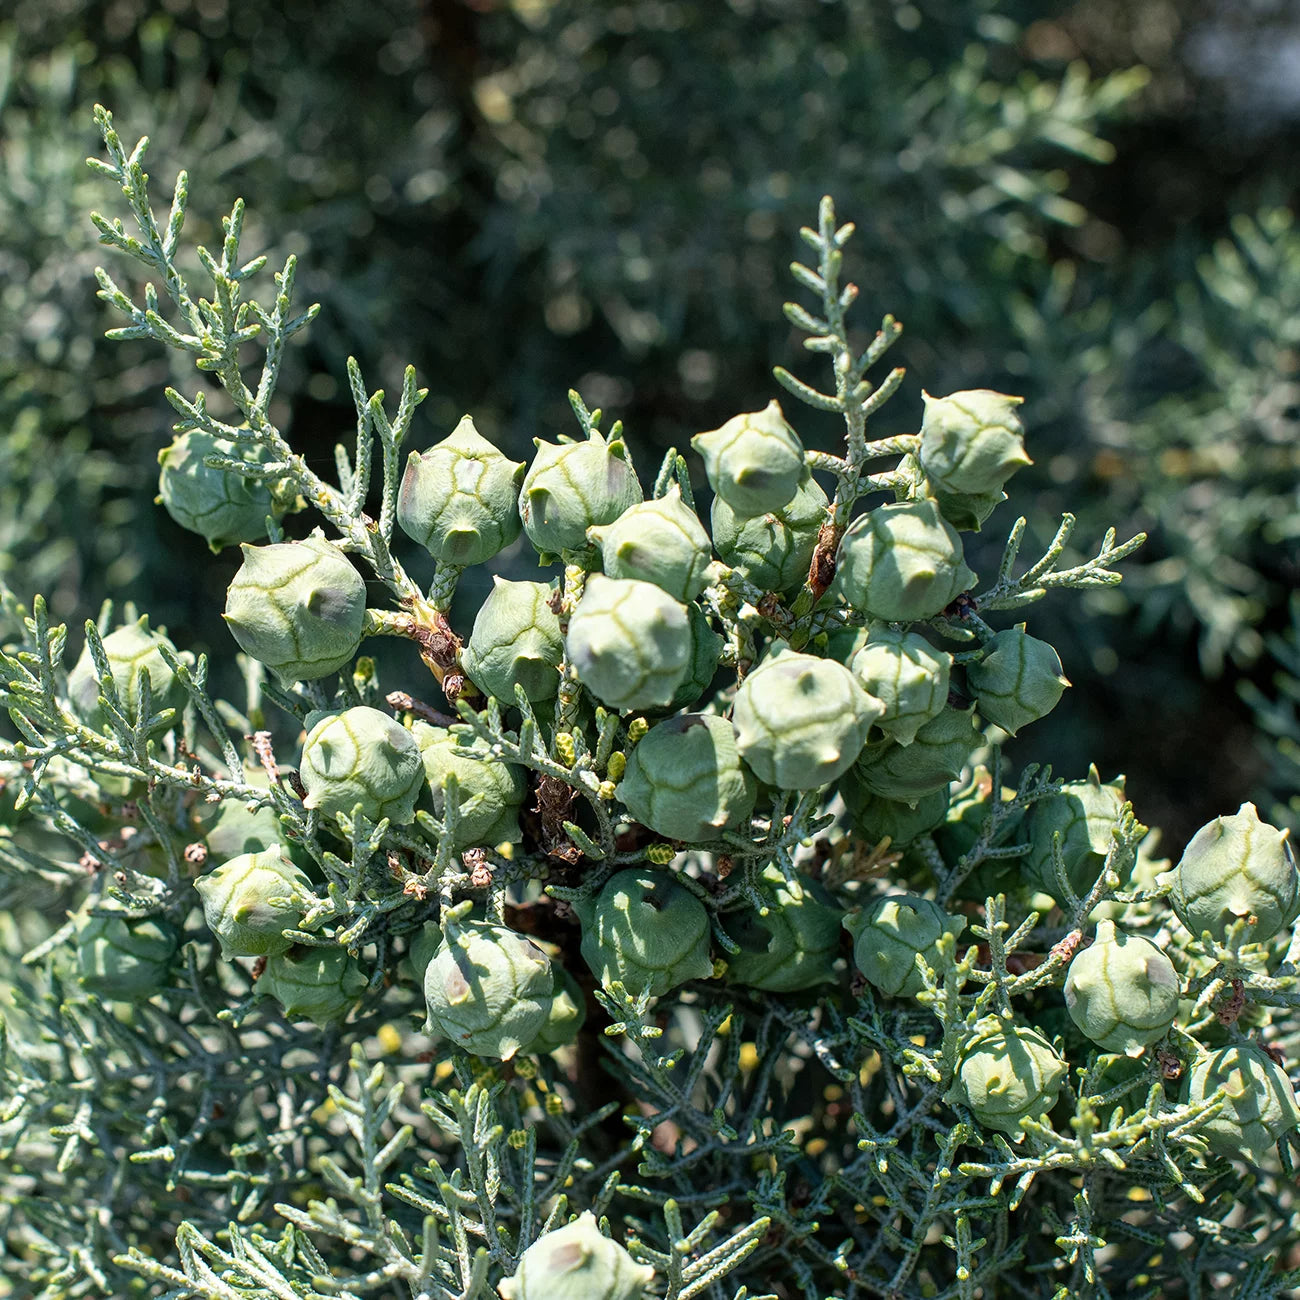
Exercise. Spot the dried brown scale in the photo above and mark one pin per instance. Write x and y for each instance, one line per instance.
(1229, 1012)
(821, 572)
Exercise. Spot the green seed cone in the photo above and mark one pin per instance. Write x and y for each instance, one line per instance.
(573, 485)
(1018, 681)
(238, 907)
(459, 499)
(124, 958)
(660, 541)
(577, 1262)
(645, 930)
(488, 989)
(1005, 1075)
(907, 675)
(791, 946)
(1259, 1106)
(515, 641)
(1122, 992)
(801, 721)
(1237, 868)
(221, 506)
(317, 984)
(629, 643)
(362, 757)
(685, 781)
(297, 607)
(939, 751)
(131, 650)
(754, 462)
(489, 792)
(901, 562)
(773, 550)
(889, 935)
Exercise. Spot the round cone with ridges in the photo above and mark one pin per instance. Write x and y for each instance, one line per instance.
(901, 562)
(754, 462)
(1259, 1105)
(459, 499)
(685, 781)
(488, 989)
(123, 957)
(239, 903)
(629, 643)
(1122, 992)
(489, 792)
(1005, 1075)
(791, 946)
(907, 675)
(1018, 681)
(645, 930)
(130, 649)
(515, 641)
(773, 550)
(362, 757)
(573, 485)
(1237, 868)
(317, 984)
(1083, 814)
(891, 932)
(801, 721)
(297, 607)
(939, 751)
(660, 541)
(577, 1262)
(972, 442)
(221, 506)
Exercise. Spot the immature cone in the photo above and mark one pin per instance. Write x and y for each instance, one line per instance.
(297, 607)
(1122, 992)
(938, 752)
(1018, 681)
(1236, 868)
(221, 506)
(124, 958)
(702, 664)
(488, 989)
(971, 444)
(564, 1017)
(907, 675)
(459, 499)
(489, 792)
(773, 550)
(901, 562)
(872, 817)
(1006, 1075)
(685, 781)
(753, 462)
(890, 933)
(317, 984)
(237, 829)
(645, 930)
(573, 485)
(629, 643)
(362, 757)
(131, 649)
(1259, 1107)
(515, 641)
(801, 721)
(660, 541)
(577, 1262)
(793, 945)
(1083, 814)
(238, 903)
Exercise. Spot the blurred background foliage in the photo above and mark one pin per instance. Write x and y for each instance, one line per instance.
(1087, 203)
